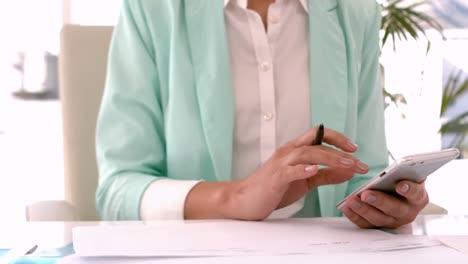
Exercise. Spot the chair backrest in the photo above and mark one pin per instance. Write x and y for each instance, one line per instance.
(47, 211)
(82, 72)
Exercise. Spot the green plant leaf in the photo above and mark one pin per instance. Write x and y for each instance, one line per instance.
(453, 89)
(400, 21)
(456, 125)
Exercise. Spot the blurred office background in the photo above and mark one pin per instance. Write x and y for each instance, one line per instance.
(31, 148)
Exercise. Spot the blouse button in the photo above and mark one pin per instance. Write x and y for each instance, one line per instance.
(268, 116)
(265, 66)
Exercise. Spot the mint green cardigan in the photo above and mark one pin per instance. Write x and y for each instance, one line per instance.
(168, 110)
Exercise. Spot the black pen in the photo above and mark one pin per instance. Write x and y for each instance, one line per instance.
(319, 136)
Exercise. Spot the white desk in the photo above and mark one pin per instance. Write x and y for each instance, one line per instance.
(452, 230)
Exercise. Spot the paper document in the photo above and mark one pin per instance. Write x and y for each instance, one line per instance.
(460, 243)
(433, 255)
(235, 238)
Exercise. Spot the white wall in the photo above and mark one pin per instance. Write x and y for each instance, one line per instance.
(409, 71)
(92, 12)
(420, 78)
(31, 166)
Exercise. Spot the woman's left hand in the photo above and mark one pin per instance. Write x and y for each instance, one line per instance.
(378, 209)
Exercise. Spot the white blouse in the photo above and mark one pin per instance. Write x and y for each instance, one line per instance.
(270, 73)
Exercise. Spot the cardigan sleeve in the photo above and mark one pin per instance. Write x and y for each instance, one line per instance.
(130, 144)
(370, 123)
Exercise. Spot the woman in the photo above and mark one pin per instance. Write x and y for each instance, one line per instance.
(209, 107)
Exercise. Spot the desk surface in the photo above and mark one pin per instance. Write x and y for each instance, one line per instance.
(452, 230)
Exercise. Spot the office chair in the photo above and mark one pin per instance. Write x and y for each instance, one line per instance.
(82, 71)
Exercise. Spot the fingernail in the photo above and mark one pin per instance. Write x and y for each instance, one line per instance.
(362, 166)
(355, 204)
(351, 145)
(404, 188)
(347, 162)
(371, 199)
(310, 168)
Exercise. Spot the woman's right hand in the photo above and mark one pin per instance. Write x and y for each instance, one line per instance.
(290, 174)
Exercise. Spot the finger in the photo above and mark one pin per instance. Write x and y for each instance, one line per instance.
(356, 219)
(331, 137)
(388, 204)
(298, 172)
(360, 167)
(329, 176)
(415, 193)
(325, 156)
(370, 213)
(334, 151)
